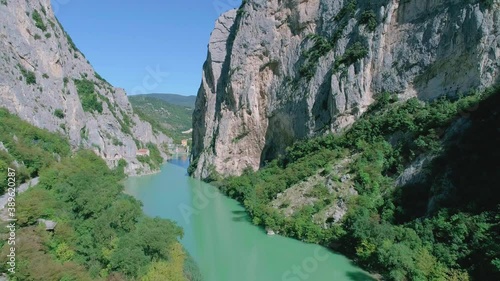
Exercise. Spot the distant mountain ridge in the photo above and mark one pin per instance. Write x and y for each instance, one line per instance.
(174, 99)
(170, 114)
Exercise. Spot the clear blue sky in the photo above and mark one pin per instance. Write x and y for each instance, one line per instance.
(122, 39)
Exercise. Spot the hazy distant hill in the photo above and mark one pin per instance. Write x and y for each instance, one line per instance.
(174, 99)
(167, 113)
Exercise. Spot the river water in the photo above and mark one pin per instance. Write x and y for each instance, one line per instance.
(221, 239)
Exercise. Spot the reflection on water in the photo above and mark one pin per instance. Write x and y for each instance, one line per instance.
(182, 161)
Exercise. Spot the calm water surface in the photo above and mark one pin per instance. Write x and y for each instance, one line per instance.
(226, 246)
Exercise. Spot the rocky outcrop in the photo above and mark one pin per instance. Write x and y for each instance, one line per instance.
(279, 71)
(331, 188)
(48, 82)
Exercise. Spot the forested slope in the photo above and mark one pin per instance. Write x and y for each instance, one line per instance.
(407, 191)
(168, 114)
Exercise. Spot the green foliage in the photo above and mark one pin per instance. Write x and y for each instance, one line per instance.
(125, 123)
(256, 190)
(352, 54)
(59, 113)
(64, 253)
(154, 160)
(321, 47)
(487, 3)
(349, 9)
(151, 240)
(402, 233)
(34, 204)
(101, 232)
(67, 180)
(155, 235)
(36, 263)
(241, 11)
(29, 76)
(192, 166)
(184, 101)
(38, 20)
(164, 116)
(71, 43)
(369, 19)
(34, 148)
(84, 134)
(117, 142)
(155, 154)
(98, 227)
(88, 95)
(318, 191)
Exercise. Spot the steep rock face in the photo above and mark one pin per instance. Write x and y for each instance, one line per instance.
(278, 71)
(40, 73)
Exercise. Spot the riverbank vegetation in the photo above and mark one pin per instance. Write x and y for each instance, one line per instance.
(101, 233)
(443, 226)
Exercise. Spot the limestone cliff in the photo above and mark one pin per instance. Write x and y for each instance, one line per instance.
(47, 81)
(278, 71)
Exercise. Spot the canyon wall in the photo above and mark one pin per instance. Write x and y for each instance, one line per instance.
(280, 71)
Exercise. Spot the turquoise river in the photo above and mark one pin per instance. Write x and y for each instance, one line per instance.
(221, 239)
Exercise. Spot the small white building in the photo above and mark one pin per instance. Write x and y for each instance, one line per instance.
(142, 152)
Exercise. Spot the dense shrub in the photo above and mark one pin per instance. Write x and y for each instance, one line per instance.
(101, 232)
(32, 147)
(369, 19)
(88, 95)
(59, 113)
(352, 54)
(348, 9)
(321, 46)
(29, 76)
(415, 232)
(100, 227)
(38, 20)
